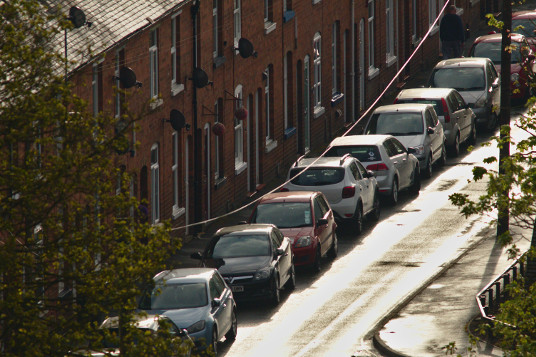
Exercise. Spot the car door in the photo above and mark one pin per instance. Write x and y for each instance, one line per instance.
(282, 262)
(221, 311)
(322, 231)
(433, 138)
(363, 186)
(400, 158)
(494, 87)
(464, 115)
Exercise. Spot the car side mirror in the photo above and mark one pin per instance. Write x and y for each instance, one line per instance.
(182, 332)
(322, 222)
(370, 173)
(412, 150)
(430, 130)
(196, 255)
(279, 251)
(215, 303)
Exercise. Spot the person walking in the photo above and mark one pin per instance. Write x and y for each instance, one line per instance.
(451, 33)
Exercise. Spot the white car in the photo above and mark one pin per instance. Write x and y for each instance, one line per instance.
(416, 126)
(395, 167)
(351, 190)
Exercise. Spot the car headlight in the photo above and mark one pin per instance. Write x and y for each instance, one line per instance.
(419, 150)
(198, 326)
(304, 241)
(481, 102)
(261, 274)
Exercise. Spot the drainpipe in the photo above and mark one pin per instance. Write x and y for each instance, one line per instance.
(352, 72)
(198, 201)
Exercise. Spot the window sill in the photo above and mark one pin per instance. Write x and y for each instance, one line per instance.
(373, 72)
(269, 26)
(218, 182)
(240, 167)
(218, 61)
(434, 30)
(176, 88)
(289, 132)
(318, 111)
(270, 145)
(316, 1)
(177, 212)
(415, 41)
(391, 60)
(336, 98)
(155, 103)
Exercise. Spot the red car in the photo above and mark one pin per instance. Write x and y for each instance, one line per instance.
(306, 218)
(524, 22)
(522, 66)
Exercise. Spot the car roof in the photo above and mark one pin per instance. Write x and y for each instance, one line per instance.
(525, 14)
(324, 161)
(246, 229)
(463, 62)
(289, 196)
(406, 107)
(372, 139)
(497, 37)
(424, 93)
(186, 274)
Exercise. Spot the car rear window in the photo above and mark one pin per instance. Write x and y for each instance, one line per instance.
(363, 153)
(396, 124)
(284, 214)
(459, 78)
(492, 50)
(320, 176)
(435, 102)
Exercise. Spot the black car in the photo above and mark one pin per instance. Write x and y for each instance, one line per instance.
(255, 260)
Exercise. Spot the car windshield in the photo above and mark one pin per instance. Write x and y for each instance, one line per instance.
(364, 153)
(492, 50)
(284, 214)
(175, 296)
(320, 176)
(241, 245)
(526, 27)
(459, 78)
(438, 106)
(396, 124)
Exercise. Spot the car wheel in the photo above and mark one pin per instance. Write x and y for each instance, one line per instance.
(428, 168)
(472, 137)
(455, 148)
(394, 191)
(416, 184)
(317, 263)
(215, 341)
(492, 122)
(443, 158)
(276, 294)
(291, 282)
(358, 219)
(375, 214)
(231, 334)
(334, 249)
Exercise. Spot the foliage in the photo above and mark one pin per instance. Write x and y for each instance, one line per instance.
(72, 247)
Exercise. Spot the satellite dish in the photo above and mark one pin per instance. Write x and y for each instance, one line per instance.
(77, 17)
(245, 48)
(127, 77)
(200, 78)
(177, 120)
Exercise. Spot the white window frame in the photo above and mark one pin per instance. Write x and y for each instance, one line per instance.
(432, 12)
(285, 91)
(153, 63)
(371, 14)
(414, 8)
(317, 71)
(176, 85)
(155, 185)
(389, 32)
(217, 139)
(269, 133)
(334, 59)
(175, 174)
(240, 165)
(215, 48)
(237, 17)
(117, 83)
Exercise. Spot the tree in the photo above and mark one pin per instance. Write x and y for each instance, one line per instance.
(72, 247)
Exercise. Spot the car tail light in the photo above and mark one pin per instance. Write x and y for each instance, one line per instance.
(284, 189)
(445, 110)
(348, 191)
(377, 167)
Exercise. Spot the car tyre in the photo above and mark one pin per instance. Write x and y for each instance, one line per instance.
(416, 184)
(455, 147)
(428, 170)
(291, 282)
(492, 122)
(394, 192)
(358, 219)
(276, 294)
(334, 249)
(443, 158)
(376, 211)
(317, 263)
(472, 137)
(215, 340)
(231, 334)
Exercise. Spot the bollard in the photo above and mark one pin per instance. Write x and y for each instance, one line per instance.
(514, 272)
(490, 300)
(497, 295)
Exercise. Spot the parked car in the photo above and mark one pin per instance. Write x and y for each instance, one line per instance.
(351, 190)
(256, 260)
(306, 218)
(457, 118)
(522, 63)
(476, 79)
(195, 299)
(416, 126)
(395, 167)
(524, 22)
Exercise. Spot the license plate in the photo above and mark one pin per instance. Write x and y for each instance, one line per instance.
(237, 289)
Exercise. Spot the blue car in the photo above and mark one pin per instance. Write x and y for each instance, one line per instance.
(195, 299)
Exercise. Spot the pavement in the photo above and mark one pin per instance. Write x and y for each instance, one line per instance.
(433, 321)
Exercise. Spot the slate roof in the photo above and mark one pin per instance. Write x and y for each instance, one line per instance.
(112, 22)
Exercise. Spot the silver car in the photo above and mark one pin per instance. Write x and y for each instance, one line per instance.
(416, 126)
(457, 118)
(395, 167)
(476, 79)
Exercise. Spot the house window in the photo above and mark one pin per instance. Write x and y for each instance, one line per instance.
(286, 92)
(217, 18)
(287, 5)
(238, 132)
(175, 172)
(176, 85)
(268, 105)
(96, 85)
(317, 71)
(218, 170)
(155, 185)
(334, 59)
(390, 31)
(119, 97)
(371, 34)
(415, 20)
(237, 15)
(432, 11)
(153, 59)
